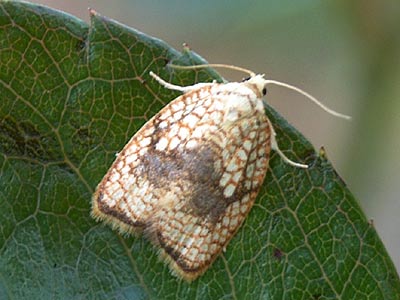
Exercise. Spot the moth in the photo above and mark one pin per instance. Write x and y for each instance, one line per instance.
(189, 177)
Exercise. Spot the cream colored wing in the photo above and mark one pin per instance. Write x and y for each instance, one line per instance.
(189, 176)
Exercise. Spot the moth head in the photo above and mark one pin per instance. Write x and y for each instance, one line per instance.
(259, 82)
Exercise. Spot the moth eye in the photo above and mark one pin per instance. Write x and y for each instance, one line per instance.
(246, 79)
(264, 91)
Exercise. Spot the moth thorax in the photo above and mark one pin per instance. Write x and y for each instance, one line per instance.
(240, 106)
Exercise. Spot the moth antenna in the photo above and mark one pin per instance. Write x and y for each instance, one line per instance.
(251, 73)
(313, 99)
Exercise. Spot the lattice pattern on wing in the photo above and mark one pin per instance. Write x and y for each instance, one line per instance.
(190, 175)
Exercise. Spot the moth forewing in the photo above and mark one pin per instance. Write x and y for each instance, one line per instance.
(190, 175)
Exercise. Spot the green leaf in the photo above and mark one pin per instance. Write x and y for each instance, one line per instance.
(71, 96)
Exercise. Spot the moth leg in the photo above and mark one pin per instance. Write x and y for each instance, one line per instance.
(182, 89)
(274, 146)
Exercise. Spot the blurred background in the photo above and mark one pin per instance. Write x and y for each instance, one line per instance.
(346, 53)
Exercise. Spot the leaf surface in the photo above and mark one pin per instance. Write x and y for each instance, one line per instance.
(71, 96)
